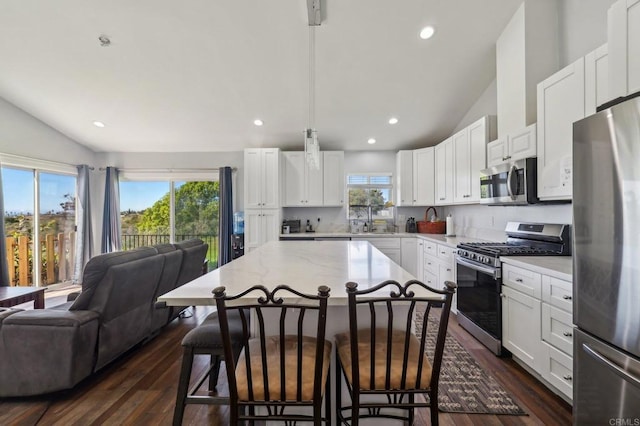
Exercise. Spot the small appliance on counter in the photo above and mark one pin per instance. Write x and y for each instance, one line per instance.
(294, 225)
(309, 227)
(411, 226)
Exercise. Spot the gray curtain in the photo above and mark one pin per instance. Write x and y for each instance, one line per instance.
(84, 238)
(111, 214)
(226, 216)
(4, 267)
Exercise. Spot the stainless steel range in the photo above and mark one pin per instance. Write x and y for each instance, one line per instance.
(479, 274)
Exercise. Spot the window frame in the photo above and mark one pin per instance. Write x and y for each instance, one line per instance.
(369, 185)
(39, 166)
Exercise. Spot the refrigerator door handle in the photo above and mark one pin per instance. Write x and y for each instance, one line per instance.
(611, 365)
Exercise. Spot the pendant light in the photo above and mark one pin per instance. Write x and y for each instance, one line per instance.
(311, 144)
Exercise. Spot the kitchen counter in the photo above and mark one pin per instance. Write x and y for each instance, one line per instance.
(438, 238)
(556, 266)
(560, 267)
(303, 265)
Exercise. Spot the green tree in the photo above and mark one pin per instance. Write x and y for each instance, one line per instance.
(196, 211)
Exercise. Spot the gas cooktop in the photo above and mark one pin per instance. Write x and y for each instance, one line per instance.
(524, 239)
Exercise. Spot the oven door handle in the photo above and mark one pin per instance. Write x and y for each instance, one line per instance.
(493, 272)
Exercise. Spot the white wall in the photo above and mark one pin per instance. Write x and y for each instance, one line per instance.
(486, 104)
(22, 134)
(583, 27)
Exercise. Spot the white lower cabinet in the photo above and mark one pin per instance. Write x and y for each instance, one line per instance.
(537, 324)
(439, 265)
(521, 326)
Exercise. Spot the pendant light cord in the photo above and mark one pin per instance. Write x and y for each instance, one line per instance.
(312, 76)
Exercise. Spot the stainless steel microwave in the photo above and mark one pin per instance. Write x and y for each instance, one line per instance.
(511, 183)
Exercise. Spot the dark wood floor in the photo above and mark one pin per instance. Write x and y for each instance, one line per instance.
(140, 388)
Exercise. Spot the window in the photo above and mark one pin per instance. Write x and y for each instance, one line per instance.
(40, 247)
(370, 196)
(169, 210)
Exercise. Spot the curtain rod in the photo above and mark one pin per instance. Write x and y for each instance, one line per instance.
(27, 159)
(196, 169)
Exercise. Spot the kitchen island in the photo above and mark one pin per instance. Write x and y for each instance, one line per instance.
(303, 265)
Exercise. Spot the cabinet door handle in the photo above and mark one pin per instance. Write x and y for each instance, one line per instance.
(567, 297)
(443, 252)
(448, 269)
(441, 199)
(502, 295)
(567, 334)
(567, 377)
(518, 280)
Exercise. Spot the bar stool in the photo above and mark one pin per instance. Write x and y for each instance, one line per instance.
(205, 339)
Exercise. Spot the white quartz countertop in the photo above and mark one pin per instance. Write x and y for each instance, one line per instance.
(438, 238)
(303, 265)
(560, 267)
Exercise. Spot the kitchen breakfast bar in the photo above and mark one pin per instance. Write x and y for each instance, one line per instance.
(304, 266)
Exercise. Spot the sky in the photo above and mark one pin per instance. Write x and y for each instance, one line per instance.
(18, 191)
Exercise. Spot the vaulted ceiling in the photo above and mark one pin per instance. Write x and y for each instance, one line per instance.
(193, 75)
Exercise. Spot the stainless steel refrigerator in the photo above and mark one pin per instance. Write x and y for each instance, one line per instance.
(606, 266)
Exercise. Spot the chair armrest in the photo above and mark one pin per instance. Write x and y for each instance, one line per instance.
(73, 296)
(46, 350)
(51, 318)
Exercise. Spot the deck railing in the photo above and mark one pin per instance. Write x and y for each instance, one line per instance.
(57, 252)
(131, 241)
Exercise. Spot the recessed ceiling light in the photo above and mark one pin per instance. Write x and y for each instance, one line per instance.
(371, 141)
(258, 122)
(393, 120)
(427, 32)
(98, 123)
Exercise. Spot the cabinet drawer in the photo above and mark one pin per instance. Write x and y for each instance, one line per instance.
(445, 273)
(557, 328)
(430, 248)
(558, 293)
(445, 253)
(523, 280)
(430, 279)
(431, 265)
(558, 370)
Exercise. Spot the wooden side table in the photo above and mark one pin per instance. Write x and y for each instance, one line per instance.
(12, 296)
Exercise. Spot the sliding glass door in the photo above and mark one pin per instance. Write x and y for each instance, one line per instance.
(40, 247)
(154, 212)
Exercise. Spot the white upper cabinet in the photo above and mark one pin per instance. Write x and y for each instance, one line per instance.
(261, 180)
(444, 172)
(624, 48)
(512, 147)
(404, 178)
(423, 176)
(596, 79)
(560, 103)
(469, 152)
(333, 178)
(302, 184)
